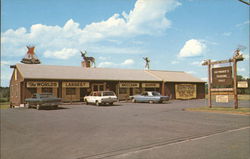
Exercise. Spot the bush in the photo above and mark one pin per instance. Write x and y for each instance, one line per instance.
(4, 100)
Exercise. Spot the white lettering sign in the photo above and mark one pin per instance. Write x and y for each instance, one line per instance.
(37, 84)
(75, 84)
(129, 85)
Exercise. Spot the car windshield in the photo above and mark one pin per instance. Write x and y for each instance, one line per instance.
(156, 93)
(108, 94)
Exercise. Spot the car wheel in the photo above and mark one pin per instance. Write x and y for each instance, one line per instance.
(151, 102)
(133, 100)
(27, 105)
(38, 106)
(56, 106)
(97, 103)
(111, 103)
(86, 101)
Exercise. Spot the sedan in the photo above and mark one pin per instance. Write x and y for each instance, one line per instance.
(150, 97)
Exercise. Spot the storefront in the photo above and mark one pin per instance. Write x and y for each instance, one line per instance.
(74, 83)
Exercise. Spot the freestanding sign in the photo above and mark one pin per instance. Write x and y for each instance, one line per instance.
(222, 76)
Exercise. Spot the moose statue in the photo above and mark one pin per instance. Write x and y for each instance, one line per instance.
(88, 59)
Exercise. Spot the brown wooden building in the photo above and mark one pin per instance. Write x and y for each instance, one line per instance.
(72, 83)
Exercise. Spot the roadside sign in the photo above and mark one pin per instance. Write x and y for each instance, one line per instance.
(222, 98)
(242, 84)
(222, 76)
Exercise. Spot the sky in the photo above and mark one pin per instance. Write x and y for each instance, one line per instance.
(176, 35)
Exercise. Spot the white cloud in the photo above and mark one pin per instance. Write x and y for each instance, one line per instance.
(125, 63)
(61, 54)
(192, 48)
(175, 62)
(106, 64)
(243, 23)
(241, 69)
(128, 62)
(147, 17)
(197, 63)
(227, 33)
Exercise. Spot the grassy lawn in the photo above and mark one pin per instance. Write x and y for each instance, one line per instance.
(242, 111)
(4, 105)
(231, 97)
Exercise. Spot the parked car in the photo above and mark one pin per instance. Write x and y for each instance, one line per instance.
(42, 100)
(101, 97)
(151, 97)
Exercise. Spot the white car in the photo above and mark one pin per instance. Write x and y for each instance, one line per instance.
(101, 97)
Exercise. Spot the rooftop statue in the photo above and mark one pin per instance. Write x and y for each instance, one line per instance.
(30, 57)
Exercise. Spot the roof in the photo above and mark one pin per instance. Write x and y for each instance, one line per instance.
(175, 76)
(32, 71)
(37, 71)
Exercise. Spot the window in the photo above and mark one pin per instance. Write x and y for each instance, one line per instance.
(108, 94)
(70, 91)
(123, 91)
(32, 90)
(47, 90)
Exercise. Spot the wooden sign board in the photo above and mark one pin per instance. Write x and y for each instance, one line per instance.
(129, 85)
(75, 84)
(185, 91)
(150, 85)
(242, 84)
(222, 76)
(41, 84)
(222, 98)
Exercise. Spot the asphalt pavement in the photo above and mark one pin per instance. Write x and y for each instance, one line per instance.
(125, 130)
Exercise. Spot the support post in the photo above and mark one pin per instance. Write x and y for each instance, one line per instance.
(209, 84)
(235, 84)
(163, 88)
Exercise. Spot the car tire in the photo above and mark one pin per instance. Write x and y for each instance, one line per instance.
(38, 106)
(86, 101)
(27, 105)
(133, 100)
(111, 103)
(151, 102)
(97, 103)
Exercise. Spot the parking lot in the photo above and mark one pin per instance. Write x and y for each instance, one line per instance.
(125, 130)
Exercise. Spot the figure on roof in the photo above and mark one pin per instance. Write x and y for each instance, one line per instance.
(147, 62)
(88, 59)
(30, 57)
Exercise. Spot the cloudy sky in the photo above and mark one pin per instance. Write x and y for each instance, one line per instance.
(175, 34)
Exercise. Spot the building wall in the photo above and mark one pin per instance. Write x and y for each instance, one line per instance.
(171, 92)
(15, 88)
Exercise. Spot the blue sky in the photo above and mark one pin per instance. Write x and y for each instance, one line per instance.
(175, 34)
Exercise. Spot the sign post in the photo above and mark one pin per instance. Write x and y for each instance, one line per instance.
(222, 76)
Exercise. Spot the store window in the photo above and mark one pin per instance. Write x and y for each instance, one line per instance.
(47, 90)
(98, 87)
(123, 91)
(70, 91)
(32, 90)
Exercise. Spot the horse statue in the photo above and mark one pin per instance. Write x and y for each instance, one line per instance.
(147, 62)
(85, 58)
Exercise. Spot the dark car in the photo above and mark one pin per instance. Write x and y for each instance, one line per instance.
(42, 100)
(150, 97)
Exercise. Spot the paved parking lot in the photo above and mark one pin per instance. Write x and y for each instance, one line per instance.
(125, 130)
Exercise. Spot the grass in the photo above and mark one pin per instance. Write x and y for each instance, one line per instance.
(245, 97)
(227, 110)
(4, 105)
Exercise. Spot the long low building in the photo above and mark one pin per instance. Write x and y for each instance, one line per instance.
(72, 83)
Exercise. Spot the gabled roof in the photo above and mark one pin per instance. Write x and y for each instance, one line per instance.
(32, 71)
(175, 76)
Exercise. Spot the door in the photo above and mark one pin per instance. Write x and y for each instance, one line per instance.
(98, 87)
(83, 93)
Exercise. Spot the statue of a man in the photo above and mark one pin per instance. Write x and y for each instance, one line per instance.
(147, 62)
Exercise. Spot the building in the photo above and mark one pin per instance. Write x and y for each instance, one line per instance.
(72, 83)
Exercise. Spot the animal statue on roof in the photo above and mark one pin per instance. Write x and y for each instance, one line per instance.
(30, 57)
(85, 58)
(237, 54)
(147, 62)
